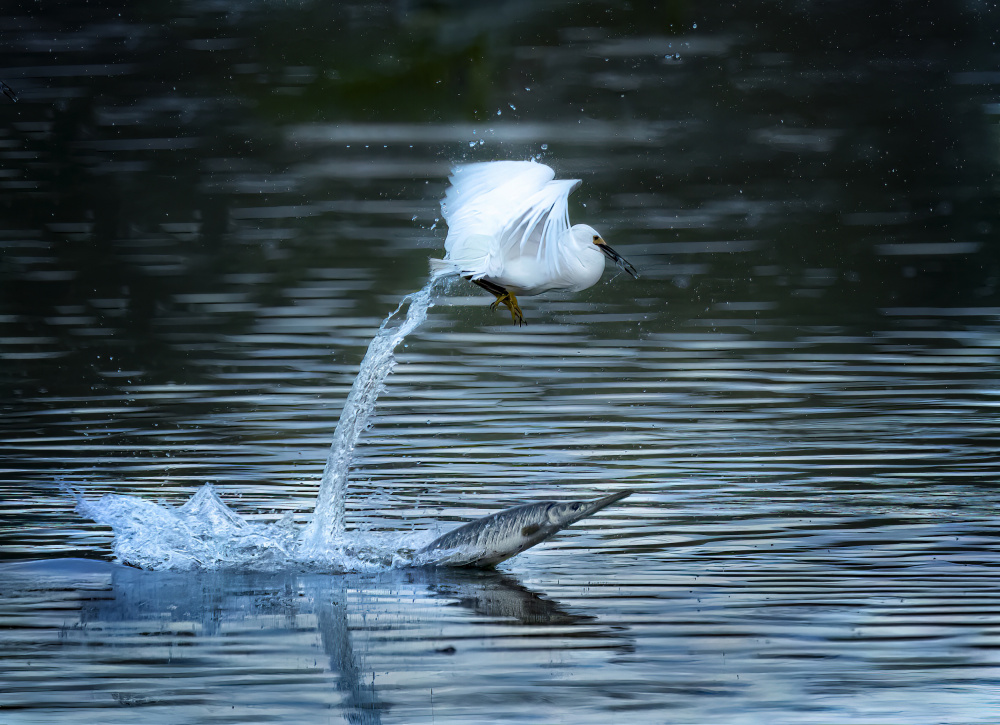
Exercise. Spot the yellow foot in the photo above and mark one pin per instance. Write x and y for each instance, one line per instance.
(511, 301)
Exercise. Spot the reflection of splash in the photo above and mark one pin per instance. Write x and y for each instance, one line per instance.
(205, 533)
(361, 700)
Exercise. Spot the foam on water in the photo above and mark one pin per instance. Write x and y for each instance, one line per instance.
(205, 533)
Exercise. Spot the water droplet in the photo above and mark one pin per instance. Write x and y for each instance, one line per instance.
(498, 111)
(694, 26)
(512, 106)
(545, 147)
(471, 144)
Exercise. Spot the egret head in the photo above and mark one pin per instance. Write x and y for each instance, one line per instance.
(585, 234)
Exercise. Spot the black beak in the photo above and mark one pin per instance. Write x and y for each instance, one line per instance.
(618, 259)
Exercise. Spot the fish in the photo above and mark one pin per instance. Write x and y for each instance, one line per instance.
(495, 538)
(8, 91)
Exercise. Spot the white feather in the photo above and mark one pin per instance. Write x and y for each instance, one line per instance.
(508, 222)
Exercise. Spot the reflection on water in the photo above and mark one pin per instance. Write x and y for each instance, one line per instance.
(209, 208)
(215, 646)
(741, 637)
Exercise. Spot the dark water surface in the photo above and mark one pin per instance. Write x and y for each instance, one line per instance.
(207, 208)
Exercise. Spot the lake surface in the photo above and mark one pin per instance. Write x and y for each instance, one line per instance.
(207, 210)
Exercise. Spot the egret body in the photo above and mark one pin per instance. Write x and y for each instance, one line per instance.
(509, 233)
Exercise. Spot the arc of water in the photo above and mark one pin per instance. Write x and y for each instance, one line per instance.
(326, 530)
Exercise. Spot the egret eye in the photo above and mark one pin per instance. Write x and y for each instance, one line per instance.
(596, 238)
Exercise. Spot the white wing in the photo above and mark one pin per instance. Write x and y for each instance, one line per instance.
(502, 208)
(543, 226)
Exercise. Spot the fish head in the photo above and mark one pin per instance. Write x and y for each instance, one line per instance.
(561, 515)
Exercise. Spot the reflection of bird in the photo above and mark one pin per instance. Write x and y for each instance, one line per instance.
(509, 232)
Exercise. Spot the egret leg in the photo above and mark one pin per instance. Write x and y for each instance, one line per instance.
(507, 298)
(503, 297)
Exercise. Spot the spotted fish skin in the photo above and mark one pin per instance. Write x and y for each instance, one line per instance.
(492, 539)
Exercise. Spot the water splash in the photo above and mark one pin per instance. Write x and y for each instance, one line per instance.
(205, 533)
(326, 532)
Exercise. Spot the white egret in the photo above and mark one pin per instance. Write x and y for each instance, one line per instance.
(509, 233)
